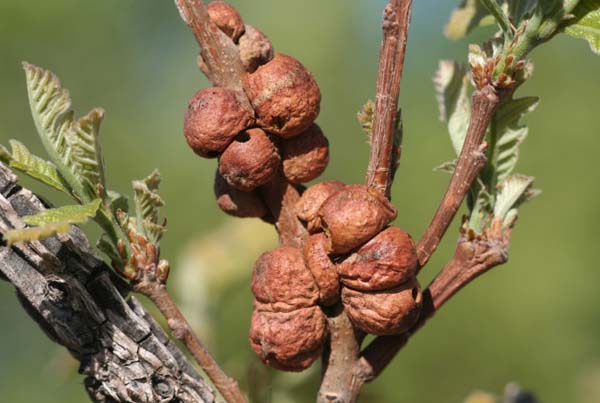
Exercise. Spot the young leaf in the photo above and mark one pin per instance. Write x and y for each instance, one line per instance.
(586, 23)
(77, 214)
(512, 190)
(34, 166)
(506, 135)
(451, 86)
(147, 204)
(36, 233)
(465, 18)
(53, 221)
(72, 145)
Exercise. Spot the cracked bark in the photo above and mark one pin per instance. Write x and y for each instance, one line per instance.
(79, 303)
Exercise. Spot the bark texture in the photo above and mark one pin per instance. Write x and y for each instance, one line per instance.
(81, 304)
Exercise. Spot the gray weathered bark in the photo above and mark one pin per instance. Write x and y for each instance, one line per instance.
(81, 304)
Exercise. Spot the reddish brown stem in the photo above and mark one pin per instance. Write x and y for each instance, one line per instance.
(471, 160)
(338, 384)
(281, 198)
(181, 329)
(396, 20)
(220, 57)
(471, 259)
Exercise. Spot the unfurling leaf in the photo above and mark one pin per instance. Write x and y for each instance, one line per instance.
(507, 134)
(77, 214)
(465, 18)
(71, 144)
(147, 204)
(586, 23)
(53, 221)
(513, 191)
(451, 84)
(44, 171)
(36, 233)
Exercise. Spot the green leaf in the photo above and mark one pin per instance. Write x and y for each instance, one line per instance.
(586, 23)
(451, 84)
(71, 144)
(147, 204)
(77, 214)
(511, 195)
(465, 18)
(494, 9)
(36, 233)
(34, 166)
(507, 134)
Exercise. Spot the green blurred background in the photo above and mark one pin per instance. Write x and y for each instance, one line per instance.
(535, 320)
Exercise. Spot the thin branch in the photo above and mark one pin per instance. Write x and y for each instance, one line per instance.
(396, 20)
(338, 383)
(471, 160)
(221, 59)
(471, 259)
(181, 329)
(281, 197)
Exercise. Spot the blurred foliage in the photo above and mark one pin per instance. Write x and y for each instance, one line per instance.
(534, 320)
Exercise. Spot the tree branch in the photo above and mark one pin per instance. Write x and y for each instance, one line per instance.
(80, 303)
(338, 384)
(181, 330)
(222, 64)
(396, 20)
(471, 160)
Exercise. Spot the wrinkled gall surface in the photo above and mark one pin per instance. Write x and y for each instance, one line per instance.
(385, 261)
(285, 96)
(237, 203)
(305, 156)
(255, 49)
(226, 18)
(311, 201)
(281, 280)
(289, 341)
(383, 313)
(251, 160)
(322, 269)
(212, 120)
(354, 215)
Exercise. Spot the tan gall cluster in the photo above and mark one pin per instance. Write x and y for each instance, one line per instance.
(278, 135)
(352, 254)
(375, 264)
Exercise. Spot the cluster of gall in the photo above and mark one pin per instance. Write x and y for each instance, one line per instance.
(352, 255)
